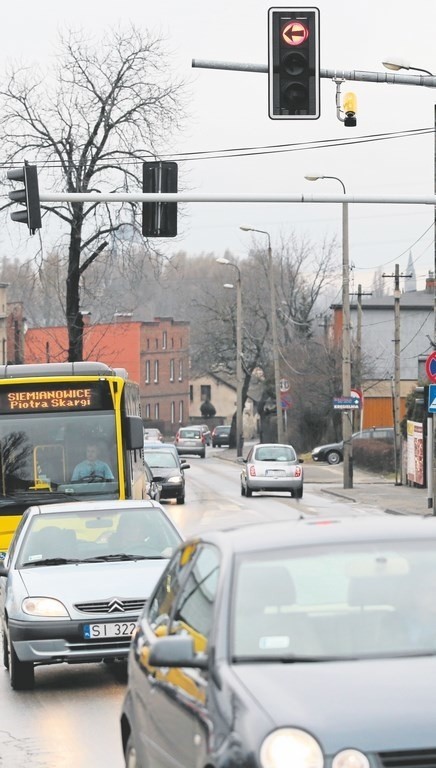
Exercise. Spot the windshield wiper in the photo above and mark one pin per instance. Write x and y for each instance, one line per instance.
(120, 556)
(283, 659)
(52, 561)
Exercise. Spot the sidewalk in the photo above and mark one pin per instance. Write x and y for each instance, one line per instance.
(372, 490)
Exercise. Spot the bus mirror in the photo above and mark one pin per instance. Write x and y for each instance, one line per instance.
(134, 433)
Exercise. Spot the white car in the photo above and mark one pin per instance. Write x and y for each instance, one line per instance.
(75, 579)
(272, 467)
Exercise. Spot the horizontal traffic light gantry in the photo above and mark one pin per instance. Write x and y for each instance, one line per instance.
(293, 63)
(28, 196)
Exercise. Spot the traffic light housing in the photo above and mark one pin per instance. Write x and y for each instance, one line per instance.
(350, 109)
(159, 219)
(29, 196)
(293, 64)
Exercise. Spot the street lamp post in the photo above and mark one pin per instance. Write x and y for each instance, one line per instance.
(239, 412)
(280, 430)
(347, 429)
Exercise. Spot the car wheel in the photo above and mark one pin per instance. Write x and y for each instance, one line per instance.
(298, 493)
(242, 490)
(130, 756)
(21, 673)
(180, 499)
(248, 492)
(334, 457)
(203, 455)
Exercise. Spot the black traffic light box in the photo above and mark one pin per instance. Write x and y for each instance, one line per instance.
(29, 196)
(293, 64)
(159, 219)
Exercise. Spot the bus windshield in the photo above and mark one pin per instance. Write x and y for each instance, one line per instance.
(70, 453)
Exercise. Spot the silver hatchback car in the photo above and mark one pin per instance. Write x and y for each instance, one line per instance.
(272, 467)
(75, 579)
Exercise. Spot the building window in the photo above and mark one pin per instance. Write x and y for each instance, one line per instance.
(172, 342)
(180, 343)
(156, 371)
(191, 393)
(164, 340)
(147, 411)
(173, 412)
(148, 343)
(172, 370)
(156, 343)
(180, 370)
(147, 371)
(205, 392)
(181, 411)
(156, 410)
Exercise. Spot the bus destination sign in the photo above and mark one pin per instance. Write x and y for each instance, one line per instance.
(33, 398)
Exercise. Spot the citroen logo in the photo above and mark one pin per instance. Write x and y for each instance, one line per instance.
(115, 606)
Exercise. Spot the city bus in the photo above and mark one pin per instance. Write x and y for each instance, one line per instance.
(49, 413)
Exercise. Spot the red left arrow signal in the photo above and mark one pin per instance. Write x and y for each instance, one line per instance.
(294, 33)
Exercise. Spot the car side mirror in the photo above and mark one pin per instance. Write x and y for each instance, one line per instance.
(184, 465)
(176, 651)
(301, 460)
(241, 460)
(3, 571)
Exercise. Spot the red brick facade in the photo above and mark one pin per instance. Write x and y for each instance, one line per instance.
(155, 354)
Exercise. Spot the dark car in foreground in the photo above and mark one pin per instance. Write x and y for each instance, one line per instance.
(333, 453)
(303, 644)
(221, 435)
(75, 579)
(168, 471)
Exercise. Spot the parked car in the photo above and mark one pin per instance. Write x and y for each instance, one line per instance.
(168, 471)
(221, 435)
(191, 441)
(298, 643)
(153, 434)
(207, 433)
(75, 579)
(333, 453)
(272, 467)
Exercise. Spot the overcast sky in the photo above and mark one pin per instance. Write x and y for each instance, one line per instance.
(230, 110)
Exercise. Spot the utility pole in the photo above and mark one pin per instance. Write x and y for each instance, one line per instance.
(397, 371)
(358, 372)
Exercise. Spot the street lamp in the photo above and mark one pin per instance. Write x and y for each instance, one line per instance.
(239, 414)
(398, 64)
(346, 338)
(280, 435)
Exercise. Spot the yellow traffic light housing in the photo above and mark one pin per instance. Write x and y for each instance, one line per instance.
(350, 109)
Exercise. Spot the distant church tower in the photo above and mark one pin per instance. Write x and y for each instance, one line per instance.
(410, 282)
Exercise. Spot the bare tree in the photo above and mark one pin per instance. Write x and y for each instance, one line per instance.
(92, 120)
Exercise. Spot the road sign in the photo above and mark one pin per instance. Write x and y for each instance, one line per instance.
(430, 366)
(284, 385)
(432, 398)
(346, 403)
(285, 402)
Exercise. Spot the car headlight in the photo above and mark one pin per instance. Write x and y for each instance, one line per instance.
(316, 450)
(290, 746)
(175, 479)
(350, 758)
(46, 607)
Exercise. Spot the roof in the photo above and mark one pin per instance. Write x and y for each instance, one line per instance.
(254, 537)
(94, 506)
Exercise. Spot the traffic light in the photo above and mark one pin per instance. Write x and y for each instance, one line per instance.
(293, 63)
(159, 219)
(29, 196)
(350, 109)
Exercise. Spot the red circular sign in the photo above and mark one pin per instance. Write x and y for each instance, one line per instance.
(295, 33)
(430, 367)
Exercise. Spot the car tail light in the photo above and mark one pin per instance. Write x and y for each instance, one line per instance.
(298, 471)
(252, 470)
(203, 439)
(177, 437)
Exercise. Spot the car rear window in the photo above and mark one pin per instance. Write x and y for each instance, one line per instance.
(273, 453)
(190, 433)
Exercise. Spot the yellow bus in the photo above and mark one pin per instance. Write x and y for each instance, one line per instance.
(49, 414)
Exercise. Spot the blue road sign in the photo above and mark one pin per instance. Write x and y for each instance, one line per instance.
(432, 398)
(346, 403)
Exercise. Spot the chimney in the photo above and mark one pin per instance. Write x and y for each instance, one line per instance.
(430, 283)
(86, 318)
(122, 317)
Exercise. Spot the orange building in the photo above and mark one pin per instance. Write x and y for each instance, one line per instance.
(155, 354)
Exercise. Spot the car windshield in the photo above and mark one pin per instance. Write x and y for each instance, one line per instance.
(275, 453)
(94, 536)
(161, 459)
(363, 600)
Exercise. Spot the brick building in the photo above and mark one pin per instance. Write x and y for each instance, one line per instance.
(155, 354)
